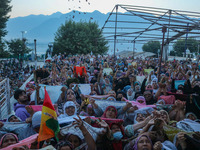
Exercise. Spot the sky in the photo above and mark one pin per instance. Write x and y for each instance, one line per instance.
(22, 8)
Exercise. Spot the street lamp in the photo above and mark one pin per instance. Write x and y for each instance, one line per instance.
(50, 46)
(23, 32)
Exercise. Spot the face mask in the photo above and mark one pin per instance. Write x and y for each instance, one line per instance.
(117, 135)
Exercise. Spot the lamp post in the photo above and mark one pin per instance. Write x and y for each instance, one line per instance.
(35, 54)
(50, 51)
(23, 32)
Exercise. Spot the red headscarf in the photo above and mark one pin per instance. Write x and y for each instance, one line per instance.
(104, 114)
(117, 145)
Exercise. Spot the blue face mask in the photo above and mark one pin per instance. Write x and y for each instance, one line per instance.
(117, 135)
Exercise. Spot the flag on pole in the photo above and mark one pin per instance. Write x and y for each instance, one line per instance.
(49, 126)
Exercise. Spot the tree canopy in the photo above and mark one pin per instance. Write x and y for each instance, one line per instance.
(17, 48)
(79, 38)
(5, 8)
(151, 46)
(179, 46)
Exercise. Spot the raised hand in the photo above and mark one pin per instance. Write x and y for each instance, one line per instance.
(30, 110)
(92, 101)
(157, 146)
(78, 122)
(102, 123)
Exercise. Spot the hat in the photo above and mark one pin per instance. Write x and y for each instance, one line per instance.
(36, 119)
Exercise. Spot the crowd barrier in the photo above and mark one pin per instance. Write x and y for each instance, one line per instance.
(5, 106)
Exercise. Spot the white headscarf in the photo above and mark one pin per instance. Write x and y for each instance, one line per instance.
(130, 97)
(66, 105)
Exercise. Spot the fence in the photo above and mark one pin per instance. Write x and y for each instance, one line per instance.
(5, 107)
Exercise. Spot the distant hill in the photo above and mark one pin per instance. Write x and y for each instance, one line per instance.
(44, 27)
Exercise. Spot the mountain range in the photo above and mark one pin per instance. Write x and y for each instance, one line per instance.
(43, 27)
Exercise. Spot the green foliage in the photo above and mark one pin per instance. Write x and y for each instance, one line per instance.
(151, 46)
(17, 48)
(4, 10)
(79, 38)
(179, 46)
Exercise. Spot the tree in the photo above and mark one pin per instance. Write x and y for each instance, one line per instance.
(179, 47)
(5, 8)
(18, 48)
(79, 38)
(151, 46)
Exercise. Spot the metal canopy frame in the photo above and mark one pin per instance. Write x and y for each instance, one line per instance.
(145, 24)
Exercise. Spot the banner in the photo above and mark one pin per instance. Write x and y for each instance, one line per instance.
(179, 82)
(26, 142)
(80, 70)
(134, 64)
(53, 91)
(69, 119)
(148, 70)
(84, 88)
(107, 71)
(140, 78)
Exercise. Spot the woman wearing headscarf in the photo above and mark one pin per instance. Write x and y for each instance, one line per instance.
(114, 137)
(62, 99)
(141, 100)
(64, 145)
(69, 109)
(130, 94)
(79, 135)
(143, 142)
(8, 139)
(13, 118)
(69, 96)
(110, 112)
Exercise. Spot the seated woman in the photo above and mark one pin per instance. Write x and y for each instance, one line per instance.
(8, 139)
(13, 118)
(88, 111)
(141, 100)
(79, 135)
(70, 96)
(64, 145)
(69, 109)
(143, 142)
(110, 112)
(114, 137)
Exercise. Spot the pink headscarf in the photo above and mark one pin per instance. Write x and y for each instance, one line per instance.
(104, 114)
(1, 142)
(141, 98)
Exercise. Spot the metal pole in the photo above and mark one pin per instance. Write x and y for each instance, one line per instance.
(170, 12)
(133, 48)
(164, 29)
(35, 55)
(115, 37)
(198, 54)
(186, 39)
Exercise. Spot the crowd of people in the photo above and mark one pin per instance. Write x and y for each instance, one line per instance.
(133, 104)
(15, 71)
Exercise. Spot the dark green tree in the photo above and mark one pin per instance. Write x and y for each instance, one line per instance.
(151, 46)
(18, 48)
(79, 38)
(5, 8)
(179, 47)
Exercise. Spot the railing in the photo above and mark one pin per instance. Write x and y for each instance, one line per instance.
(5, 107)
